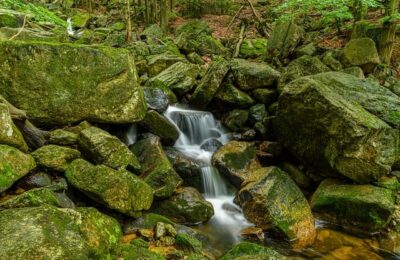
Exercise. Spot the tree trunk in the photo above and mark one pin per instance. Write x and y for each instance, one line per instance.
(164, 15)
(386, 42)
(147, 12)
(359, 10)
(128, 37)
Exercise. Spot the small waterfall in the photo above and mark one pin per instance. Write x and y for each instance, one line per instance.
(131, 135)
(197, 127)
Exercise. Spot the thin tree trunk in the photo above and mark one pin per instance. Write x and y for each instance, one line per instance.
(128, 37)
(359, 10)
(388, 34)
(147, 12)
(241, 38)
(164, 15)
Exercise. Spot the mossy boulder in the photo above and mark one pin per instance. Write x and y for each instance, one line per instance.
(63, 137)
(9, 133)
(54, 157)
(344, 127)
(76, 82)
(236, 119)
(265, 95)
(361, 52)
(158, 63)
(253, 48)
(134, 251)
(236, 160)
(9, 19)
(119, 190)
(188, 243)
(157, 170)
(80, 19)
(270, 198)
(285, 37)
(47, 232)
(179, 77)
(364, 207)
(330, 59)
(186, 206)
(210, 84)
(229, 95)
(246, 250)
(250, 75)
(355, 71)
(32, 198)
(159, 125)
(156, 99)
(102, 148)
(14, 165)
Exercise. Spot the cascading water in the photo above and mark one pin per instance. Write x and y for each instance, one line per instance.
(196, 128)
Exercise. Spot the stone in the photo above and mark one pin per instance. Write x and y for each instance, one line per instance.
(156, 170)
(158, 63)
(186, 206)
(14, 165)
(211, 145)
(265, 95)
(252, 233)
(32, 198)
(179, 77)
(246, 250)
(102, 148)
(233, 97)
(297, 175)
(76, 82)
(47, 232)
(308, 49)
(156, 99)
(188, 243)
(366, 207)
(236, 160)
(151, 33)
(330, 60)
(284, 39)
(9, 19)
(250, 75)
(54, 157)
(36, 180)
(343, 128)
(236, 119)
(361, 52)
(195, 58)
(63, 137)
(160, 126)
(253, 48)
(270, 198)
(257, 113)
(9, 133)
(132, 251)
(210, 84)
(355, 71)
(119, 190)
(80, 20)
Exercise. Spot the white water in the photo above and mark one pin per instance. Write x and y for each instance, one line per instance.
(195, 128)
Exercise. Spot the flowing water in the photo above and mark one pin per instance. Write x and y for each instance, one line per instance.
(197, 128)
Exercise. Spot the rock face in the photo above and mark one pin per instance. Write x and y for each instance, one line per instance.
(55, 157)
(32, 198)
(67, 83)
(48, 233)
(246, 250)
(361, 52)
(210, 84)
(9, 133)
(159, 125)
(119, 190)
(156, 99)
(186, 206)
(14, 165)
(103, 148)
(269, 197)
(365, 207)
(342, 125)
(236, 160)
(157, 170)
(158, 63)
(250, 75)
(233, 97)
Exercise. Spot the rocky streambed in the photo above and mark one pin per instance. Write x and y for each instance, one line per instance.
(303, 161)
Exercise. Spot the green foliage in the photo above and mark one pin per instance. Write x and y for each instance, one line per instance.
(35, 12)
(195, 8)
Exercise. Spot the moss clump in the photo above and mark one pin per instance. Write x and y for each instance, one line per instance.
(246, 250)
(55, 157)
(253, 48)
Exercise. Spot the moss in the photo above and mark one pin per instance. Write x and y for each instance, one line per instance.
(230, 95)
(188, 243)
(9, 133)
(32, 198)
(159, 125)
(55, 157)
(253, 48)
(253, 251)
(129, 251)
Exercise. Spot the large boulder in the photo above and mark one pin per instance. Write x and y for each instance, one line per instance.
(236, 160)
(9, 133)
(246, 250)
(14, 165)
(361, 52)
(33, 198)
(159, 125)
(102, 148)
(250, 75)
(186, 206)
(119, 190)
(157, 170)
(210, 84)
(54, 157)
(270, 198)
(343, 125)
(68, 83)
(230, 96)
(364, 207)
(156, 99)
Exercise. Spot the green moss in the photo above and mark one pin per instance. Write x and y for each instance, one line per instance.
(55, 157)
(253, 48)
(248, 250)
(188, 243)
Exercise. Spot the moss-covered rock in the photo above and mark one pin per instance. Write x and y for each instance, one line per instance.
(75, 83)
(361, 52)
(355, 71)
(133, 251)
(250, 75)
(9, 133)
(14, 165)
(48, 232)
(270, 198)
(188, 243)
(308, 49)
(229, 95)
(54, 157)
(119, 190)
(265, 95)
(236, 119)
(179, 77)
(159, 125)
(253, 48)
(32, 198)
(330, 60)
(9, 19)
(366, 207)
(210, 83)
(246, 250)
(186, 206)
(344, 127)
(103, 148)
(156, 99)
(80, 19)
(158, 63)
(63, 137)
(157, 170)
(236, 160)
